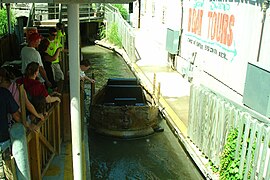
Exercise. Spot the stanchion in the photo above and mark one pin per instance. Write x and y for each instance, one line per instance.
(154, 84)
(93, 88)
(158, 93)
(154, 89)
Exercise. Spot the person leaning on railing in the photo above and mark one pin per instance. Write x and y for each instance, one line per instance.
(35, 88)
(84, 66)
(14, 135)
(6, 82)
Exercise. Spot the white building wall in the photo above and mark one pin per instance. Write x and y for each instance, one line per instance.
(244, 31)
(219, 64)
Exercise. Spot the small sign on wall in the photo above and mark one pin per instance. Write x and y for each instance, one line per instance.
(257, 89)
(172, 41)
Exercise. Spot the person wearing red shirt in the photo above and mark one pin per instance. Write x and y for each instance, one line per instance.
(34, 87)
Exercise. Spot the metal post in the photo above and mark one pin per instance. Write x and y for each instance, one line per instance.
(8, 18)
(75, 111)
(139, 16)
(93, 87)
(154, 84)
(265, 6)
(158, 93)
(60, 13)
(154, 89)
(20, 151)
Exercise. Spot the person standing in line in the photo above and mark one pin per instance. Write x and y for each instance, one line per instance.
(53, 46)
(8, 106)
(6, 82)
(60, 28)
(34, 88)
(30, 54)
(15, 134)
(47, 60)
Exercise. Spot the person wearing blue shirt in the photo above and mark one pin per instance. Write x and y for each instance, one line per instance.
(8, 106)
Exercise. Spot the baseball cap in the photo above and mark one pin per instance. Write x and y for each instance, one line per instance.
(34, 36)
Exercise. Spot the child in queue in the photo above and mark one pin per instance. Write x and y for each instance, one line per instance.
(84, 66)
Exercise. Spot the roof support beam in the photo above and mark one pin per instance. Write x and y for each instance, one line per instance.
(68, 1)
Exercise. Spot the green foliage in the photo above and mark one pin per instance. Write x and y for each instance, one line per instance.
(4, 21)
(122, 10)
(213, 167)
(229, 166)
(102, 32)
(113, 36)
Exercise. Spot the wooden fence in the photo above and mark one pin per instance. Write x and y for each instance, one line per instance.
(44, 143)
(212, 116)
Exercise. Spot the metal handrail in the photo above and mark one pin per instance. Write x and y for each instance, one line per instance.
(112, 15)
(31, 15)
(86, 10)
(60, 13)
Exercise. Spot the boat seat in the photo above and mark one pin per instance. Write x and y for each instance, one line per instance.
(124, 94)
(122, 81)
(125, 101)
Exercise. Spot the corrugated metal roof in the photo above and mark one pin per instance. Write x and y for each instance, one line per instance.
(68, 1)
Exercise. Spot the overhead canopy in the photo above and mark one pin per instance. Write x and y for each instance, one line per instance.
(68, 1)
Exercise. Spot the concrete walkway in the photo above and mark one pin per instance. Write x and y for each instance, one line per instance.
(173, 87)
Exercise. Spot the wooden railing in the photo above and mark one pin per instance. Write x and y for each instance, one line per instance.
(45, 142)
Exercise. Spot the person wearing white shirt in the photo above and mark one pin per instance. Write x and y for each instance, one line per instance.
(30, 54)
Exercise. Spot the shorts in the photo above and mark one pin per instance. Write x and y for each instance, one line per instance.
(57, 72)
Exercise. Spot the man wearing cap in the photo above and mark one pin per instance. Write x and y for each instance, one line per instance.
(54, 45)
(30, 54)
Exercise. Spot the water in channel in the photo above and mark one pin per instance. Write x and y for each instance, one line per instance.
(155, 157)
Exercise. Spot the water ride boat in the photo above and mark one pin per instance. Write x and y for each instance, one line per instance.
(123, 108)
